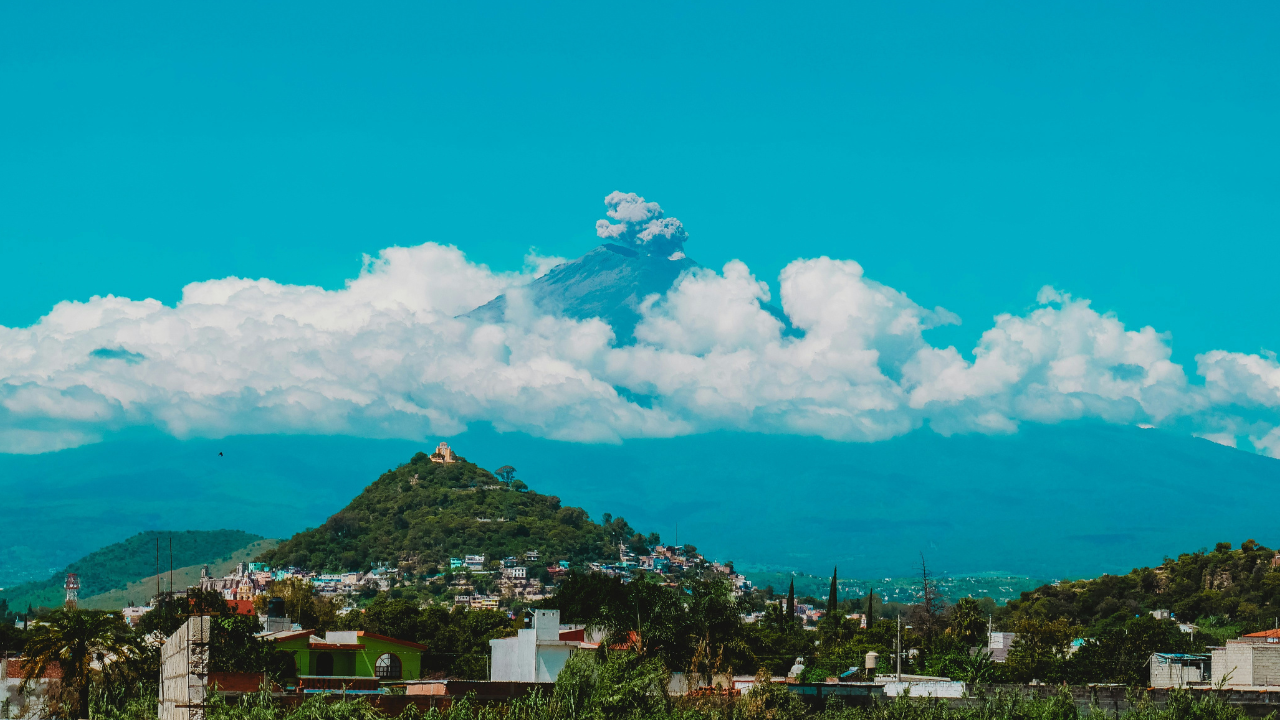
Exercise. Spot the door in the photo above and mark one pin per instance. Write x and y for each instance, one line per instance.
(324, 664)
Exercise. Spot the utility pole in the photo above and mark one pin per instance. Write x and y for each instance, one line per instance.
(899, 653)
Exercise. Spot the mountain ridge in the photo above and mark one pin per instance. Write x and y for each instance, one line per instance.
(1051, 501)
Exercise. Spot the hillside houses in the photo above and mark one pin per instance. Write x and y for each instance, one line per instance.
(249, 580)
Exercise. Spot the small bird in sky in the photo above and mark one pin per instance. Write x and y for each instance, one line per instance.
(219, 454)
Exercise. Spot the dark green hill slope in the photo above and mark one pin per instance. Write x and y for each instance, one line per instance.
(1230, 591)
(115, 566)
(423, 513)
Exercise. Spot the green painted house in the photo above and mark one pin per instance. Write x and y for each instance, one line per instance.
(351, 654)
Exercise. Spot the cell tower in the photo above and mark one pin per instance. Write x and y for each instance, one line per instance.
(73, 590)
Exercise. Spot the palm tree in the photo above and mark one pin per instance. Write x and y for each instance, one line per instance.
(73, 640)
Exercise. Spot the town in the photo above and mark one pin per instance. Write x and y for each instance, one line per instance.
(596, 600)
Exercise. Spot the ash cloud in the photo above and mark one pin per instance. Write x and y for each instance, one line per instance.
(641, 226)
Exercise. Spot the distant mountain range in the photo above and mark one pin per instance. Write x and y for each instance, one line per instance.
(1051, 501)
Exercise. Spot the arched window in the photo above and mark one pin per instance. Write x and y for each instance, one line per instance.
(388, 667)
(324, 664)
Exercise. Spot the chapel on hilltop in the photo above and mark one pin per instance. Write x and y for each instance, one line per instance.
(443, 454)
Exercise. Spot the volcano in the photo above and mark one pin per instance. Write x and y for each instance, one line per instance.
(609, 282)
(643, 256)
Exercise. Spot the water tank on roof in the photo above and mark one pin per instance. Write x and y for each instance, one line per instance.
(275, 607)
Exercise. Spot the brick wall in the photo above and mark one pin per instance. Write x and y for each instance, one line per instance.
(184, 671)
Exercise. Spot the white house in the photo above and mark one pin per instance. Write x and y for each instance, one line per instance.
(536, 654)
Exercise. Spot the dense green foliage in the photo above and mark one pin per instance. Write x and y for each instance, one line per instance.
(622, 688)
(11, 636)
(698, 627)
(693, 627)
(422, 513)
(1224, 592)
(115, 566)
(1237, 586)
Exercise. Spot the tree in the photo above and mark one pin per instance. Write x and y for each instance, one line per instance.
(833, 602)
(506, 472)
(11, 636)
(73, 640)
(611, 685)
(791, 598)
(926, 615)
(778, 639)
(303, 605)
(1039, 649)
(967, 622)
(235, 647)
(1122, 655)
(834, 629)
(696, 627)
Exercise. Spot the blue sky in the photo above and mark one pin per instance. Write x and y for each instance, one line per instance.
(964, 155)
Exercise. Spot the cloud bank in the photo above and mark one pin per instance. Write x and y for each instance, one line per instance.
(387, 356)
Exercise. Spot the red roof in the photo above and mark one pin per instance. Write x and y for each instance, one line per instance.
(1265, 634)
(242, 607)
(384, 638)
(339, 646)
(13, 669)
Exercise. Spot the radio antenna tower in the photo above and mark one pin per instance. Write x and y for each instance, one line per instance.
(73, 590)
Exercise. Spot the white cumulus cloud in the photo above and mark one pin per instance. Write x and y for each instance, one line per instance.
(388, 356)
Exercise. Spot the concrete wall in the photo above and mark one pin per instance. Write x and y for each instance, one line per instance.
(536, 654)
(184, 671)
(514, 657)
(925, 689)
(551, 660)
(17, 703)
(1266, 665)
(1246, 664)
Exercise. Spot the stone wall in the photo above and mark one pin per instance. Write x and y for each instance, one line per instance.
(184, 671)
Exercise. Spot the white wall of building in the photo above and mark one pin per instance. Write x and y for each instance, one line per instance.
(536, 654)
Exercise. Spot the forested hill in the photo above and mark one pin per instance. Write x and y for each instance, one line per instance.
(115, 566)
(1225, 590)
(422, 513)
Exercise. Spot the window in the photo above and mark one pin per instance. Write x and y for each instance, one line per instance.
(388, 667)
